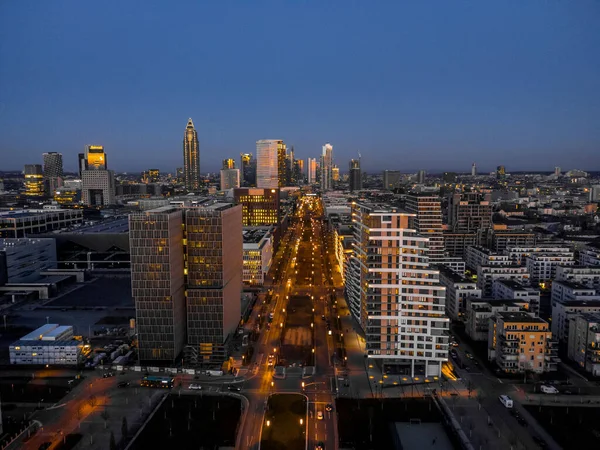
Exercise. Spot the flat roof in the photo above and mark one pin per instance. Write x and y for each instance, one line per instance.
(455, 277)
(254, 235)
(120, 225)
(513, 284)
(423, 435)
(519, 317)
(58, 330)
(35, 334)
(66, 343)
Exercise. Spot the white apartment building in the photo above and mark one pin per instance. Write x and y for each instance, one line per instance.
(98, 187)
(589, 256)
(258, 254)
(584, 342)
(479, 256)
(568, 291)
(486, 275)
(517, 255)
(563, 311)
(542, 266)
(587, 276)
(50, 344)
(455, 263)
(510, 289)
(267, 175)
(394, 294)
(458, 289)
(478, 313)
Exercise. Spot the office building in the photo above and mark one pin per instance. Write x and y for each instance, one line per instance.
(513, 290)
(25, 222)
(247, 170)
(26, 257)
(427, 220)
(230, 179)
(258, 254)
(473, 170)
(391, 179)
(53, 172)
(50, 344)
(469, 212)
(421, 176)
(260, 207)
(191, 158)
(34, 180)
(595, 193)
(355, 175)
(584, 342)
(214, 259)
(95, 158)
(283, 167)
(179, 175)
(335, 174)
(500, 173)
(326, 165)
(153, 175)
(394, 294)
(267, 159)
(457, 243)
(311, 173)
(479, 311)
(458, 289)
(228, 163)
(98, 187)
(519, 342)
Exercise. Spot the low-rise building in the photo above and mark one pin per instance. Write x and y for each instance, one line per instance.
(479, 311)
(258, 254)
(50, 344)
(563, 311)
(458, 289)
(520, 342)
(542, 266)
(24, 259)
(486, 275)
(511, 289)
(25, 222)
(568, 291)
(584, 342)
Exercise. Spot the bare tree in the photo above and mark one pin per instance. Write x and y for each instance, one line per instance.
(105, 416)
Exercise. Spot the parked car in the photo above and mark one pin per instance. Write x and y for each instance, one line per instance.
(328, 407)
(194, 387)
(548, 389)
(123, 384)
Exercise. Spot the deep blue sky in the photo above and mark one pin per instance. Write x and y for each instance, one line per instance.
(411, 84)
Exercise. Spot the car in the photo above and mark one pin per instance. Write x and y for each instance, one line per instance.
(454, 344)
(514, 413)
(469, 355)
(539, 441)
(234, 388)
(270, 360)
(195, 387)
(320, 415)
(320, 446)
(123, 384)
(108, 375)
(328, 407)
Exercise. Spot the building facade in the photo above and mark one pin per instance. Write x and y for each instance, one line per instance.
(230, 179)
(260, 207)
(355, 175)
(191, 157)
(27, 257)
(34, 180)
(391, 179)
(326, 166)
(427, 220)
(458, 289)
(584, 342)
(510, 289)
(98, 187)
(53, 172)
(267, 167)
(258, 254)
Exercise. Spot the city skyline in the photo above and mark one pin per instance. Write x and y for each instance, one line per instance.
(488, 83)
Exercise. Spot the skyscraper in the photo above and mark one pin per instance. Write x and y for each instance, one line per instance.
(394, 294)
(473, 170)
(469, 212)
(191, 158)
(427, 220)
(247, 170)
(81, 163)
(335, 174)
(355, 175)
(53, 172)
(311, 170)
(97, 183)
(326, 167)
(267, 168)
(421, 176)
(283, 168)
(557, 171)
(228, 163)
(391, 179)
(500, 173)
(34, 180)
(230, 179)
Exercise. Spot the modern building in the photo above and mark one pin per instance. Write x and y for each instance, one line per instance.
(586, 276)
(391, 179)
(326, 165)
(228, 163)
(427, 220)
(568, 291)
(589, 256)
(595, 193)
(34, 180)
(394, 294)
(476, 256)
(98, 187)
(456, 243)
(258, 254)
(25, 258)
(486, 275)
(542, 266)
(95, 158)
(260, 207)
(311, 173)
(81, 163)
(564, 311)
(499, 238)
(469, 212)
(421, 176)
(247, 170)
(230, 179)
(355, 175)
(335, 175)
(513, 290)
(473, 170)
(53, 172)
(518, 255)
(500, 173)
(584, 342)
(479, 311)
(25, 222)
(191, 157)
(458, 289)
(50, 344)
(519, 342)
(267, 163)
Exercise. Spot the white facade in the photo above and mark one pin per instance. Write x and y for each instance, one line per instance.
(542, 266)
(98, 187)
(517, 255)
(50, 344)
(258, 254)
(567, 291)
(486, 275)
(479, 256)
(509, 289)
(589, 256)
(230, 179)
(458, 289)
(26, 257)
(584, 342)
(267, 175)
(587, 276)
(562, 312)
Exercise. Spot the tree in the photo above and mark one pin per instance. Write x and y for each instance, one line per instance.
(124, 430)
(113, 444)
(105, 416)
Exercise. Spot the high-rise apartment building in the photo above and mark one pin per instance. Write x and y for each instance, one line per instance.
(311, 172)
(421, 176)
(327, 167)
(260, 207)
(34, 180)
(97, 183)
(394, 294)
(355, 175)
(53, 171)
(427, 220)
(267, 163)
(391, 179)
(214, 258)
(469, 212)
(230, 179)
(157, 282)
(191, 157)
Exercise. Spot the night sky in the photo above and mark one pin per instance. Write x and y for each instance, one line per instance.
(412, 85)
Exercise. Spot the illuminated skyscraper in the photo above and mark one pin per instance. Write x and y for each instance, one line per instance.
(228, 163)
(335, 173)
(153, 175)
(53, 172)
(311, 170)
(97, 183)
(500, 173)
(282, 166)
(247, 170)
(326, 167)
(267, 167)
(355, 175)
(95, 158)
(34, 180)
(260, 207)
(191, 158)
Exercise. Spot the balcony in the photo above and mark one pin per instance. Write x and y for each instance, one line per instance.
(505, 357)
(504, 337)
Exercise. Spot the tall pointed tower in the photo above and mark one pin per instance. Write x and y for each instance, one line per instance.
(191, 158)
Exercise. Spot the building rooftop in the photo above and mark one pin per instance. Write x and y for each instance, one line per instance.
(38, 333)
(574, 285)
(65, 343)
(253, 235)
(514, 285)
(120, 225)
(519, 317)
(452, 275)
(591, 303)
